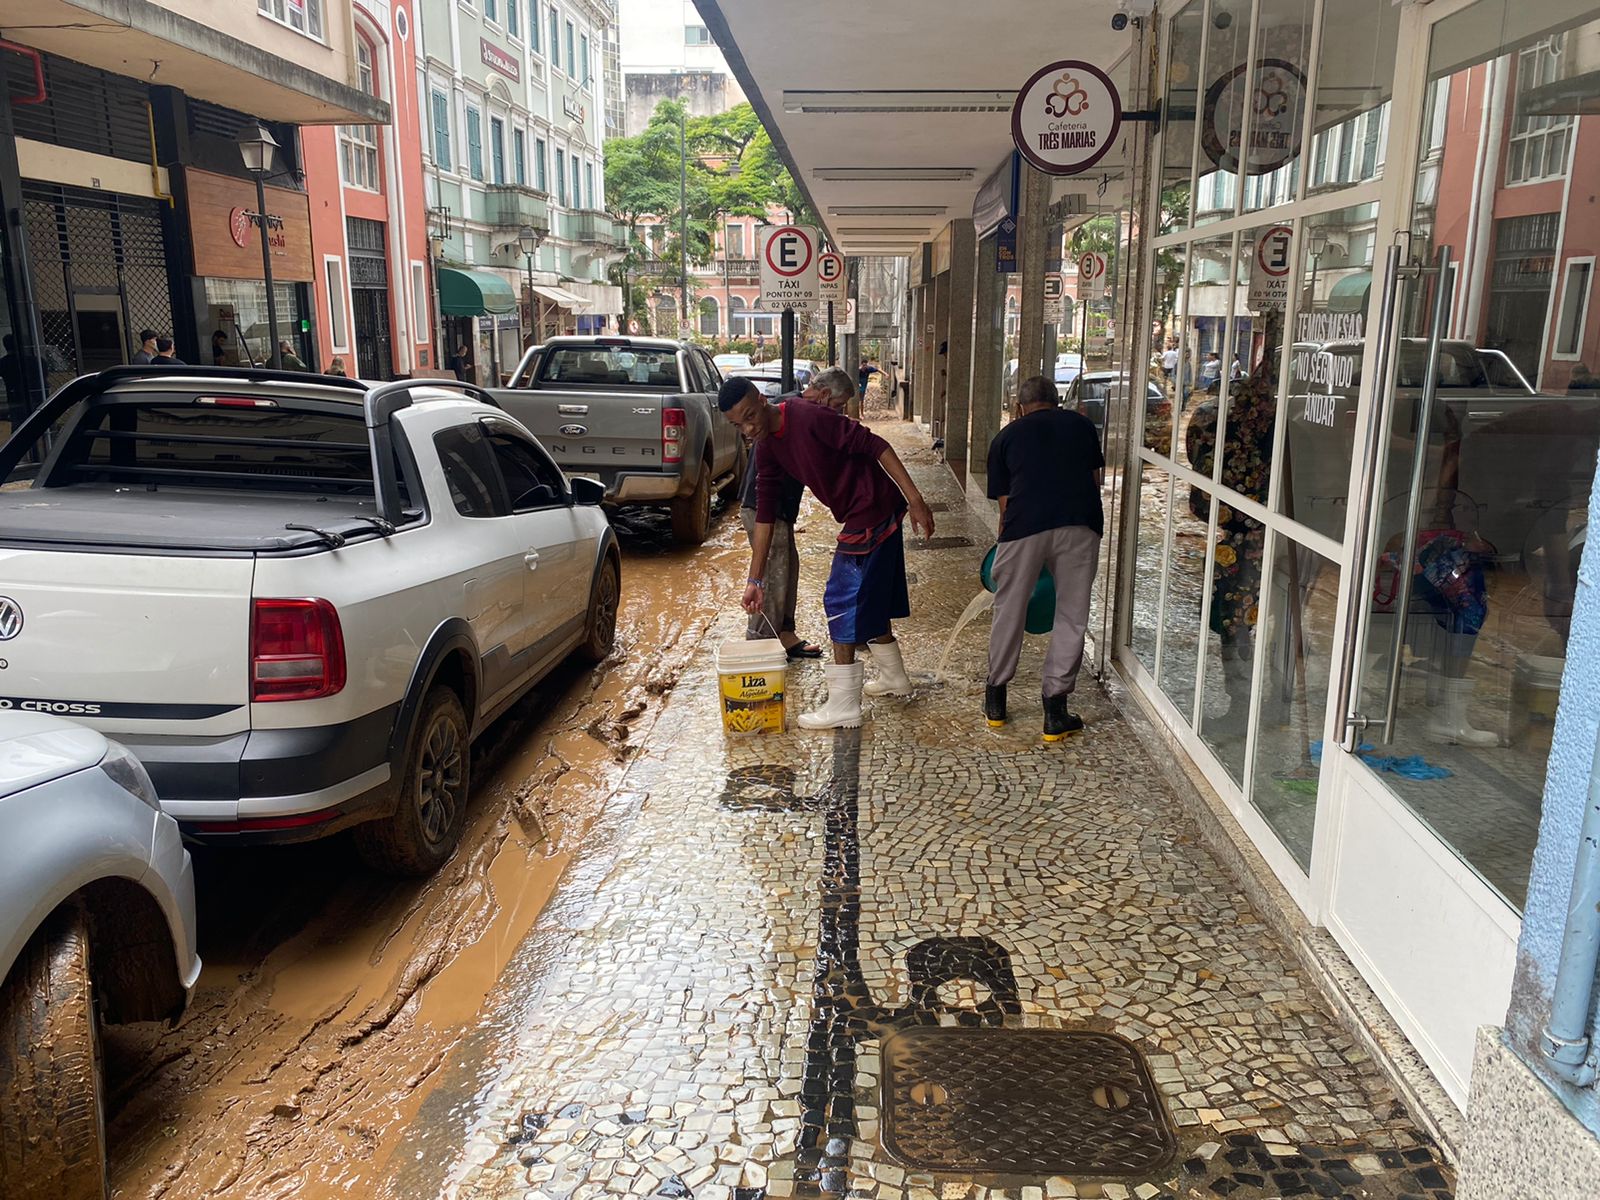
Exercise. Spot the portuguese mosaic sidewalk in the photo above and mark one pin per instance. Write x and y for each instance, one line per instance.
(840, 965)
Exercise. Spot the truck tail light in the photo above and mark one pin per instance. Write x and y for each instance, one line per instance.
(296, 650)
(674, 425)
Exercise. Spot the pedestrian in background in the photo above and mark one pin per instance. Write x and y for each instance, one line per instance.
(1169, 362)
(869, 491)
(288, 358)
(164, 354)
(147, 348)
(831, 389)
(461, 363)
(336, 366)
(1045, 469)
(219, 348)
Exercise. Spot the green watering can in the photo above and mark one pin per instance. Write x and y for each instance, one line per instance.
(1041, 605)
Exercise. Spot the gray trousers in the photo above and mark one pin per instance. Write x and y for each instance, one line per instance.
(1072, 554)
(783, 579)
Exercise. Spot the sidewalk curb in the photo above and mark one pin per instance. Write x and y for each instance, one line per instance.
(1351, 1001)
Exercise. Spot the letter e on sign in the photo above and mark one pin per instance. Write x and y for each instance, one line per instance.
(789, 266)
(831, 277)
(1269, 269)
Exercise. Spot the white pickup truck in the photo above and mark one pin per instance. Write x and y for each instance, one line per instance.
(295, 598)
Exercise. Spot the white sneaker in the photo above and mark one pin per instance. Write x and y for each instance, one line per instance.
(892, 679)
(843, 707)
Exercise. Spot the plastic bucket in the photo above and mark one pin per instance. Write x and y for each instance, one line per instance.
(1041, 616)
(752, 676)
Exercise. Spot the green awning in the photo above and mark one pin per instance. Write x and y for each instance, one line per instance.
(464, 293)
(1351, 293)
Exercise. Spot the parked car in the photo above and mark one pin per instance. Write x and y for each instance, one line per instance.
(297, 598)
(637, 414)
(1091, 392)
(732, 364)
(97, 922)
(1068, 367)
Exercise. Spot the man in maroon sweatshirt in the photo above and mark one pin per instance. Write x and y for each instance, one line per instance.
(867, 488)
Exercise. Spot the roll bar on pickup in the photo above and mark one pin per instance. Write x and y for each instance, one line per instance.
(379, 405)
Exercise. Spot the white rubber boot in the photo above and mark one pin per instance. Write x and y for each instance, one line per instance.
(891, 679)
(843, 708)
(1449, 721)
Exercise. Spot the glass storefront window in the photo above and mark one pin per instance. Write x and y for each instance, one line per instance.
(1182, 104)
(1332, 304)
(1355, 76)
(1160, 428)
(1297, 644)
(1466, 636)
(1202, 370)
(1225, 98)
(1231, 620)
(1155, 490)
(237, 308)
(1278, 102)
(1180, 612)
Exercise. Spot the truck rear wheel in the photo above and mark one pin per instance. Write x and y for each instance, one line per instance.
(433, 794)
(691, 514)
(52, 1110)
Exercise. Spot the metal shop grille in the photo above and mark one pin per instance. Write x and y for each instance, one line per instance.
(93, 241)
(87, 109)
(1021, 1102)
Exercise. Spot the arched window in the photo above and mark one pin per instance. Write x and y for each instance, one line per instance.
(358, 144)
(710, 318)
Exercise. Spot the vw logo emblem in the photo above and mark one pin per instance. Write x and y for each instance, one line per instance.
(573, 430)
(10, 618)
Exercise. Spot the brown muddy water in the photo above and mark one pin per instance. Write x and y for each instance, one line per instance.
(340, 1012)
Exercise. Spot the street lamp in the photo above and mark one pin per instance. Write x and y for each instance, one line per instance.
(528, 239)
(258, 154)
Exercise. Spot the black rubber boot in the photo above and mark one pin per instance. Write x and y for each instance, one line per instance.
(1058, 722)
(994, 704)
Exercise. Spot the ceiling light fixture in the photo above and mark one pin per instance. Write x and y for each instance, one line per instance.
(898, 101)
(888, 210)
(893, 174)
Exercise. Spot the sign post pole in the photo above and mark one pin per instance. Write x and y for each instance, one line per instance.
(788, 350)
(833, 356)
(275, 357)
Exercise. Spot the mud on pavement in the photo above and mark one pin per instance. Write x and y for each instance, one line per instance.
(333, 997)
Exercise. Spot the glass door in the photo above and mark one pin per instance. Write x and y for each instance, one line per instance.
(1475, 486)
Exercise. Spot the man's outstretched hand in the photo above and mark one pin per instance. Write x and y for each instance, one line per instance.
(921, 518)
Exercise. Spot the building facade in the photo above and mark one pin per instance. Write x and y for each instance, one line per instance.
(667, 53)
(513, 171)
(369, 215)
(127, 199)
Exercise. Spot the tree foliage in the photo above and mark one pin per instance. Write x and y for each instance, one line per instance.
(722, 166)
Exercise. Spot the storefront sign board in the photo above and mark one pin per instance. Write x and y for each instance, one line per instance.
(1066, 117)
(224, 229)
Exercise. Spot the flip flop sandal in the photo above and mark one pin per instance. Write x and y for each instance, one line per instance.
(803, 650)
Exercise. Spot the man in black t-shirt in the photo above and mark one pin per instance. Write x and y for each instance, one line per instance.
(1045, 469)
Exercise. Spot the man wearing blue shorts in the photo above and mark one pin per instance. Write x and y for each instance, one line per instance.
(869, 491)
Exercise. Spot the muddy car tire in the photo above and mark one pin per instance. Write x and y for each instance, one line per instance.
(52, 1107)
(600, 632)
(432, 807)
(691, 514)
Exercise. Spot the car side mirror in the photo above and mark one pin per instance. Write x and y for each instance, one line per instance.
(587, 491)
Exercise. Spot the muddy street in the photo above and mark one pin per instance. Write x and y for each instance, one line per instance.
(332, 996)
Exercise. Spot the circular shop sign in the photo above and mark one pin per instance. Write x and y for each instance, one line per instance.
(1275, 94)
(1066, 117)
(239, 227)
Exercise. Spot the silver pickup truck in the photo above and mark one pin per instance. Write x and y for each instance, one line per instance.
(639, 415)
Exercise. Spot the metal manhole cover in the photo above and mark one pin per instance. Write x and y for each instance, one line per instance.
(1021, 1102)
(942, 543)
